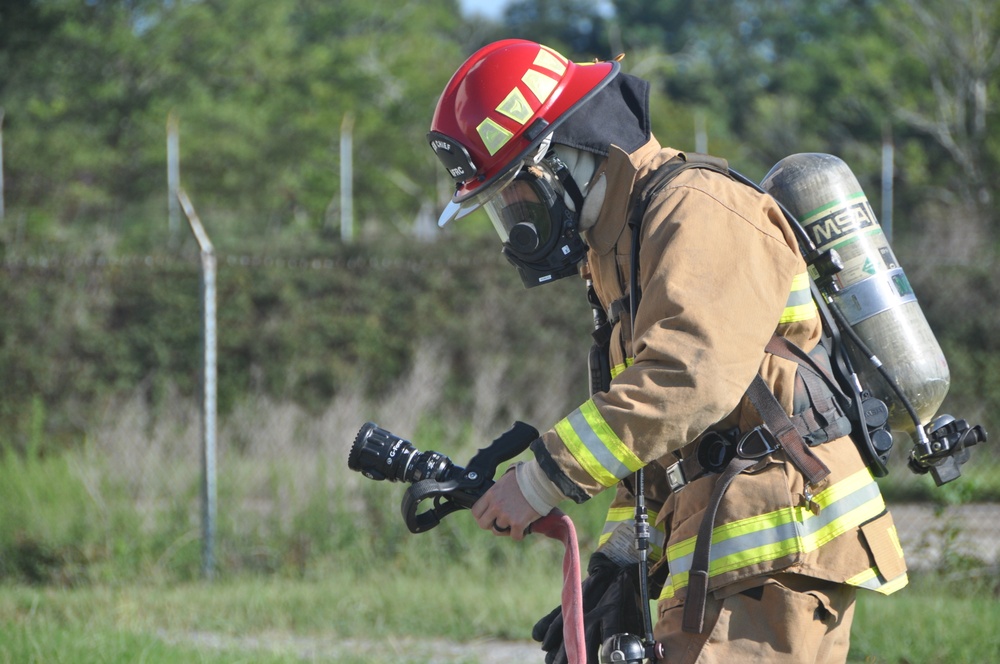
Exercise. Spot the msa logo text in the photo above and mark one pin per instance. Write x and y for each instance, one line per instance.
(841, 222)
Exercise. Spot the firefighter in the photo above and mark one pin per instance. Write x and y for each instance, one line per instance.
(706, 317)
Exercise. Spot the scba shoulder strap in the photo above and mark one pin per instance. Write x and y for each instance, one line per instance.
(817, 406)
(657, 181)
(667, 172)
(600, 377)
(779, 426)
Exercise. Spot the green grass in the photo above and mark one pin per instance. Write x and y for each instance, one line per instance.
(275, 619)
(936, 619)
(151, 623)
(40, 643)
(100, 559)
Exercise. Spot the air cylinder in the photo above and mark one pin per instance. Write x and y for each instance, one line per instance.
(871, 291)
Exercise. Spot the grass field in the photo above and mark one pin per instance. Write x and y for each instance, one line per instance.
(348, 618)
(100, 558)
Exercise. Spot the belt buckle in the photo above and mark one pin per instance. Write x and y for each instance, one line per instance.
(675, 477)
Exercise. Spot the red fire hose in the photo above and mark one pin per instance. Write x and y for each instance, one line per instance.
(559, 526)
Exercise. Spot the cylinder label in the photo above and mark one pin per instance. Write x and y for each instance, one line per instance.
(851, 228)
(872, 296)
(831, 225)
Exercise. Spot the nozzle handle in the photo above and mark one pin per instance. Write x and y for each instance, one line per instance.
(507, 446)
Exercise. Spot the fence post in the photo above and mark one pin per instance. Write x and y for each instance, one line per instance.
(700, 133)
(173, 173)
(888, 171)
(347, 179)
(208, 485)
(2, 206)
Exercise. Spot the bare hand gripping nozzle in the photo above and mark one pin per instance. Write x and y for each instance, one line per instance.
(380, 455)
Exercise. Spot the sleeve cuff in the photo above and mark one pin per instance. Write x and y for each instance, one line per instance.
(538, 490)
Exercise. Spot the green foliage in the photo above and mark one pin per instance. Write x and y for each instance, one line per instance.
(260, 90)
(901, 628)
(833, 76)
(569, 26)
(309, 324)
(297, 328)
(45, 514)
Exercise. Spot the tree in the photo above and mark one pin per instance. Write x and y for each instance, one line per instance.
(944, 84)
(74, 85)
(261, 89)
(775, 73)
(832, 76)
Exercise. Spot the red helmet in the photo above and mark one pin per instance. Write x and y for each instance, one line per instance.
(501, 104)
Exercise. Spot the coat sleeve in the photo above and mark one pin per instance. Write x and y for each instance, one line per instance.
(717, 263)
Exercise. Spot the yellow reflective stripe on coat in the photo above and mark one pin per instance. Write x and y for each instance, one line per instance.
(800, 305)
(595, 445)
(619, 515)
(618, 368)
(871, 579)
(844, 506)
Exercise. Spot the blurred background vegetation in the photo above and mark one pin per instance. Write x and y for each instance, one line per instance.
(426, 331)
(104, 289)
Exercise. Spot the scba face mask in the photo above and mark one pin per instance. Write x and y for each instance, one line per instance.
(539, 230)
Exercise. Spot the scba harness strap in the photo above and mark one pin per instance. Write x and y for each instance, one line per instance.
(819, 403)
(777, 432)
(819, 412)
(819, 416)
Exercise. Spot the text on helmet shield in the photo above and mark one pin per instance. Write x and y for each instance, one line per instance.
(453, 155)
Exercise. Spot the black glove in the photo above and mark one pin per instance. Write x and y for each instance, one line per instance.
(610, 606)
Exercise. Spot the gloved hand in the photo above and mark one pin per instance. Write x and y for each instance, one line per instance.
(610, 606)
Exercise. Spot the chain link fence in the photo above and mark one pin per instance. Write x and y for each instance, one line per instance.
(957, 525)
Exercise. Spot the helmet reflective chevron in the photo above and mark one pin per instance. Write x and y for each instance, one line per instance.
(500, 106)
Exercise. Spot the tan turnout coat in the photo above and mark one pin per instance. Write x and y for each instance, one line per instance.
(717, 264)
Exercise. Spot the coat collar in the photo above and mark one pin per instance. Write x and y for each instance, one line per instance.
(625, 172)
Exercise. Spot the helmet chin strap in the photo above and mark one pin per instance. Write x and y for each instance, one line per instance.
(573, 196)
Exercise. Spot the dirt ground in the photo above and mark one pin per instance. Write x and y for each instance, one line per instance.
(391, 649)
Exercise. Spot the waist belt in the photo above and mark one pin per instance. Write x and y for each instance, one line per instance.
(730, 458)
(716, 451)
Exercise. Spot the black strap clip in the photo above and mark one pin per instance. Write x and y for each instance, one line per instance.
(756, 444)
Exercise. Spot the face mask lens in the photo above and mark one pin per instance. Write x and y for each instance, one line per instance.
(521, 214)
(455, 211)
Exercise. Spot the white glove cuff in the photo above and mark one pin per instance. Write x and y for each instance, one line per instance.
(537, 488)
